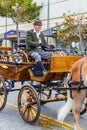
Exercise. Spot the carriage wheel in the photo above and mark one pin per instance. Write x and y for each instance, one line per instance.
(84, 107)
(44, 95)
(3, 93)
(29, 104)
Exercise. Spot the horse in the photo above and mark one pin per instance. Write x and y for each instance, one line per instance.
(76, 81)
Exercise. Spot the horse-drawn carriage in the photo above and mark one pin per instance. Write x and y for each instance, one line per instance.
(39, 88)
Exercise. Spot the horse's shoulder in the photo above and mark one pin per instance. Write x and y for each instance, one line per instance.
(76, 65)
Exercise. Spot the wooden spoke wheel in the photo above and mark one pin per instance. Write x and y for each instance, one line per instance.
(44, 95)
(29, 104)
(3, 93)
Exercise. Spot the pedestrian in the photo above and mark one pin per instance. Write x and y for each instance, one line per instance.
(75, 53)
(35, 44)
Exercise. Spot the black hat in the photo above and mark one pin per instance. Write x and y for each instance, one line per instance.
(37, 22)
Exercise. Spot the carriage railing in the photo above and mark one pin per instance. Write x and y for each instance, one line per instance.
(58, 62)
(6, 55)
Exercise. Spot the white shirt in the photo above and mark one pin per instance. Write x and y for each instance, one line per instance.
(38, 36)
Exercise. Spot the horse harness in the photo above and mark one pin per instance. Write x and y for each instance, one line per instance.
(79, 83)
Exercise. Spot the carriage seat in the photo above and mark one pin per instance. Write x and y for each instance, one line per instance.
(32, 59)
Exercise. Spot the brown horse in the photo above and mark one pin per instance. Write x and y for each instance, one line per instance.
(75, 99)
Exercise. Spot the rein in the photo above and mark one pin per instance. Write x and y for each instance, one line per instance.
(76, 83)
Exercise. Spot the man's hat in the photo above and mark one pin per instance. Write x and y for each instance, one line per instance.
(37, 22)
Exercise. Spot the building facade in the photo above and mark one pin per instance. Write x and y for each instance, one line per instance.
(51, 11)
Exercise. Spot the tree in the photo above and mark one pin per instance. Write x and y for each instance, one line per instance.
(72, 28)
(19, 11)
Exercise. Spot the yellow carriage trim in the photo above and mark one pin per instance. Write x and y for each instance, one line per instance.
(5, 48)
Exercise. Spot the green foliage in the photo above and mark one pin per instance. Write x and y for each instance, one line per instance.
(19, 10)
(72, 28)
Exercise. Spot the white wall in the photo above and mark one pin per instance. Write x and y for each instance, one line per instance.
(57, 8)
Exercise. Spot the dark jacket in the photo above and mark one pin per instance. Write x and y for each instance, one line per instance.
(32, 40)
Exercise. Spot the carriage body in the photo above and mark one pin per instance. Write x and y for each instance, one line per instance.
(15, 67)
(59, 65)
(20, 70)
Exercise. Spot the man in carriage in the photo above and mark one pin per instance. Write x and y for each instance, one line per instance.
(36, 44)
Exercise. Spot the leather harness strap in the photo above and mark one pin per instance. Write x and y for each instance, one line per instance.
(81, 83)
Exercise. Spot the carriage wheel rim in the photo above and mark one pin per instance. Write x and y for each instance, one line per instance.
(3, 93)
(29, 109)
